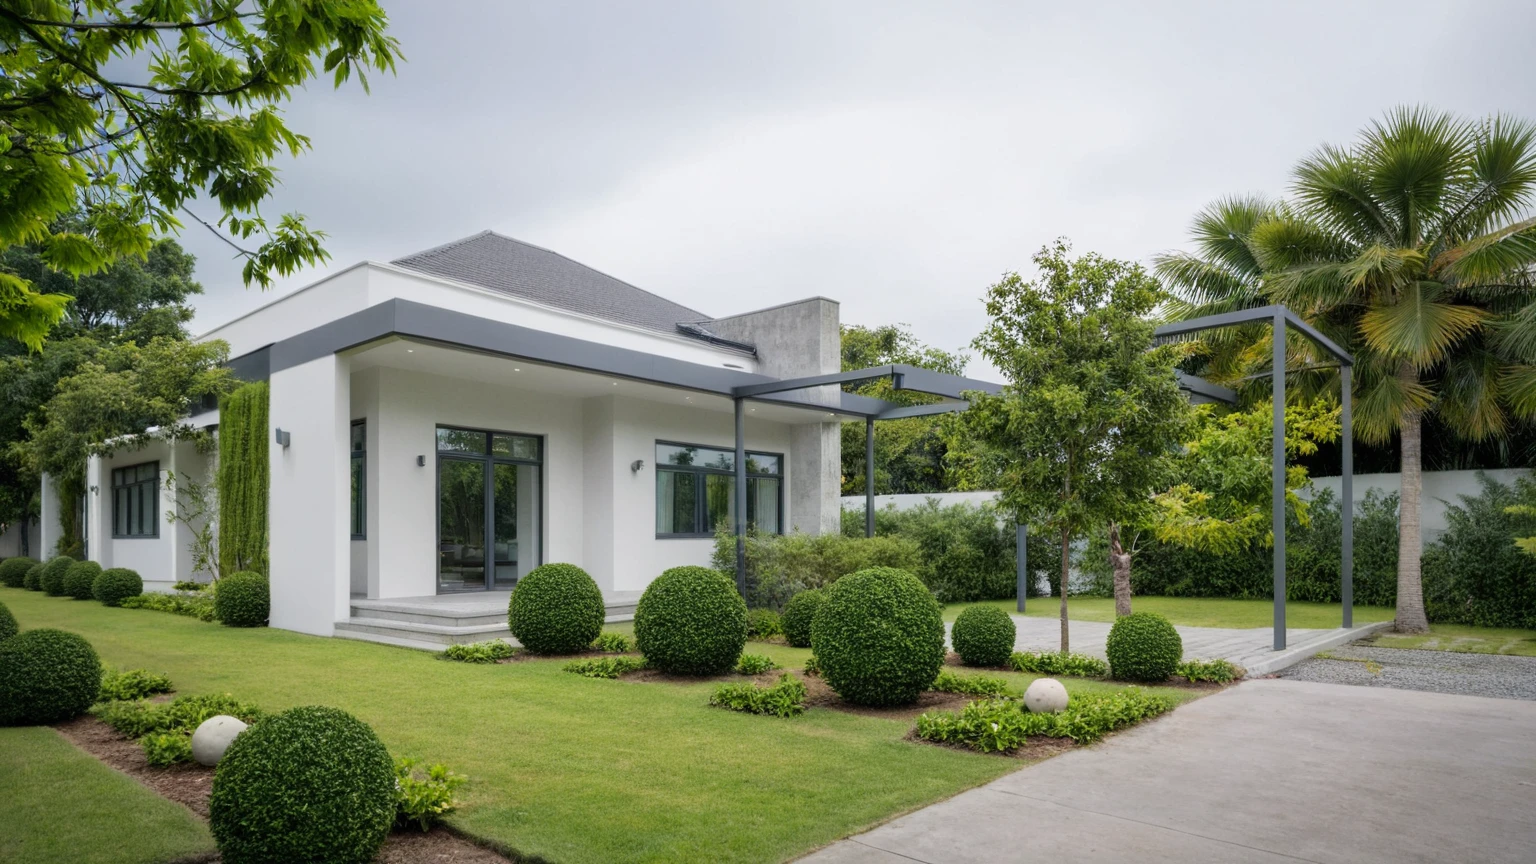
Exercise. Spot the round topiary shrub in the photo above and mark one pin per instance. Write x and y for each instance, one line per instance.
(46, 676)
(242, 599)
(798, 614)
(556, 609)
(309, 784)
(13, 571)
(983, 636)
(691, 621)
(33, 581)
(114, 586)
(1143, 646)
(79, 578)
(879, 637)
(8, 625)
(52, 578)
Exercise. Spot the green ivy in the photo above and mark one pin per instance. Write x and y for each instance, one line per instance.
(243, 479)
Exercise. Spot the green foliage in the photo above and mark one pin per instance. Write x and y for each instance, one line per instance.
(424, 799)
(46, 676)
(115, 585)
(13, 571)
(185, 585)
(970, 685)
(132, 684)
(163, 749)
(1219, 671)
(764, 624)
(1002, 725)
(799, 612)
(613, 642)
(786, 698)
(754, 664)
(1054, 663)
(1143, 646)
(812, 667)
(33, 581)
(606, 667)
(8, 626)
(201, 118)
(1475, 573)
(966, 551)
(779, 566)
(556, 609)
(182, 715)
(80, 578)
(983, 636)
(308, 784)
(243, 478)
(489, 651)
(691, 621)
(243, 600)
(51, 580)
(879, 637)
(199, 606)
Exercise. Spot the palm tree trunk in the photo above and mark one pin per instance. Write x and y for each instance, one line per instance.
(1120, 564)
(1410, 546)
(1066, 560)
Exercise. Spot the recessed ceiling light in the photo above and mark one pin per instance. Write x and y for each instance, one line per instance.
(410, 350)
(615, 383)
(515, 369)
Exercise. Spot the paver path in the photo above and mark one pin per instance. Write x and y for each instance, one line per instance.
(1267, 771)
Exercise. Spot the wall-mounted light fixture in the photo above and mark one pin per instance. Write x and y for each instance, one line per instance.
(283, 438)
(636, 465)
(421, 461)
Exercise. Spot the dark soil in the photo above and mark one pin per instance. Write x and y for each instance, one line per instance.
(1037, 748)
(191, 785)
(821, 695)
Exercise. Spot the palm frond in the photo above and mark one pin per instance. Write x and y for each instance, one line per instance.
(1378, 265)
(1418, 327)
(1198, 281)
(1519, 386)
(1332, 187)
(1470, 395)
(1494, 257)
(1383, 400)
(1514, 335)
(1415, 157)
(1501, 184)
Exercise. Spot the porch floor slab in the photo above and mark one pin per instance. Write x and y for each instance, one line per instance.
(432, 622)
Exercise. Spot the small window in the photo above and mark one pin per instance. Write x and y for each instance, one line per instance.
(359, 479)
(696, 486)
(136, 501)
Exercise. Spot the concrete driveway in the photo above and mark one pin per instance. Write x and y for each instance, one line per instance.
(1268, 771)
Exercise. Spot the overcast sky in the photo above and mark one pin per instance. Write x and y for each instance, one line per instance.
(897, 158)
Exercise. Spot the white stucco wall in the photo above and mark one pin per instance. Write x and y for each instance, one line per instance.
(11, 545)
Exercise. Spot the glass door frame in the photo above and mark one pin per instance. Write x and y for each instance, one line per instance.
(489, 460)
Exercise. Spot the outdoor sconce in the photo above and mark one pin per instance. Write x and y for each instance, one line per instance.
(421, 461)
(283, 438)
(636, 465)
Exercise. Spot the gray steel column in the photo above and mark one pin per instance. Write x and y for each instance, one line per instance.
(1277, 476)
(1347, 481)
(1021, 560)
(741, 497)
(869, 476)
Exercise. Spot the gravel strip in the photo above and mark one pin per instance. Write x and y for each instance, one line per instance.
(1497, 675)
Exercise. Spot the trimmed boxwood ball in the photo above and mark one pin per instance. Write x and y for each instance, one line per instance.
(309, 784)
(8, 625)
(1143, 646)
(879, 637)
(983, 636)
(79, 579)
(13, 571)
(115, 585)
(798, 615)
(691, 621)
(243, 600)
(52, 578)
(33, 581)
(46, 676)
(556, 609)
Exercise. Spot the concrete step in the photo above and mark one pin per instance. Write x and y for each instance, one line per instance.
(417, 614)
(437, 634)
(399, 642)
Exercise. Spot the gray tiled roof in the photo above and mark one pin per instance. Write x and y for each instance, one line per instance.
(519, 269)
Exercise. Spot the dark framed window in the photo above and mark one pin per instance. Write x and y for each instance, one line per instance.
(489, 508)
(696, 486)
(136, 501)
(359, 479)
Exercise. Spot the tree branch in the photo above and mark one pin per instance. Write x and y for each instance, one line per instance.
(140, 25)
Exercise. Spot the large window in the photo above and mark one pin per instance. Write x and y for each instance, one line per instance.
(135, 500)
(489, 506)
(696, 490)
(359, 479)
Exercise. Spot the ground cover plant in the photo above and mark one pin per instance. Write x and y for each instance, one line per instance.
(1143, 646)
(489, 651)
(182, 715)
(1003, 725)
(612, 642)
(199, 606)
(556, 609)
(424, 797)
(754, 664)
(131, 684)
(691, 621)
(879, 637)
(1215, 671)
(46, 675)
(983, 636)
(969, 685)
(785, 698)
(606, 667)
(1056, 663)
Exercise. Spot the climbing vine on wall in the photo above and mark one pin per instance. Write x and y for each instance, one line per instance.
(243, 478)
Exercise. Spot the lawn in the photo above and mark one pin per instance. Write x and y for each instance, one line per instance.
(563, 767)
(63, 805)
(1194, 611)
(1461, 638)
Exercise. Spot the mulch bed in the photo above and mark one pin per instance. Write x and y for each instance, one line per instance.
(190, 785)
(1037, 748)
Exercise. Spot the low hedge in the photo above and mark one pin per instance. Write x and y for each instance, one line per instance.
(33, 581)
(983, 636)
(691, 621)
(13, 571)
(309, 784)
(46, 676)
(798, 616)
(8, 625)
(51, 580)
(556, 609)
(764, 624)
(879, 637)
(1143, 646)
(1056, 663)
(79, 579)
(243, 600)
(115, 585)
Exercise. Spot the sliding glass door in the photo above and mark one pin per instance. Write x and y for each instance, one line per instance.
(488, 508)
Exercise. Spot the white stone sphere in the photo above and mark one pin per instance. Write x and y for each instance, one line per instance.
(1045, 695)
(212, 738)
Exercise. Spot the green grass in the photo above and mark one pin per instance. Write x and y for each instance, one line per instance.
(61, 804)
(563, 767)
(1193, 611)
(1464, 639)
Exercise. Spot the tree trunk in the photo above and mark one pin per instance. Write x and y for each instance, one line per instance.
(1410, 586)
(1066, 563)
(1120, 563)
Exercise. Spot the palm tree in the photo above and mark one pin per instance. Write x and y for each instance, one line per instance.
(1415, 249)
